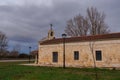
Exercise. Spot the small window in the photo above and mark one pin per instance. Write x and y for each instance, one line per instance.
(76, 55)
(55, 56)
(98, 55)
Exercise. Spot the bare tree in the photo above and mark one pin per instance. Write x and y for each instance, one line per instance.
(96, 22)
(3, 43)
(77, 26)
(91, 45)
(16, 50)
(92, 24)
(33, 53)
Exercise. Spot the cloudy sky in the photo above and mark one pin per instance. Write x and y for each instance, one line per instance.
(25, 22)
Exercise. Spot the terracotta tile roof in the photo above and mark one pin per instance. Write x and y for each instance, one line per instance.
(83, 38)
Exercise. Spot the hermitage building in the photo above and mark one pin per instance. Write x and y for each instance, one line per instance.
(83, 51)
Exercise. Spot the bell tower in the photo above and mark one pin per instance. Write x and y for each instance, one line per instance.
(51, 33)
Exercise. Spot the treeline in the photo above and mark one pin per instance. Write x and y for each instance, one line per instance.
(15, 52)
(16, 55)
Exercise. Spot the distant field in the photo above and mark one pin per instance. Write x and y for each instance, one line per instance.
(13, 71)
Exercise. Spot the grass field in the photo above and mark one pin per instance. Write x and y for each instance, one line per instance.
(12, 71)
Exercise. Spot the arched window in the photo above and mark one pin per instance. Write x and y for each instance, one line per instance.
(51, 34)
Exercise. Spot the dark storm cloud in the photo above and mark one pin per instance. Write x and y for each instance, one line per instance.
(28, 21)
(23, 39)
(33, 21)
(22, 21)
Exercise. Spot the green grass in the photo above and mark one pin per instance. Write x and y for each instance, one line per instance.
(12, 71)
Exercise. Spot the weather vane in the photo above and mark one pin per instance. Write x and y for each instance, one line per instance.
(51, 26)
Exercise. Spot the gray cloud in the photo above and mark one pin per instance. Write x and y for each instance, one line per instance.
(28, 20)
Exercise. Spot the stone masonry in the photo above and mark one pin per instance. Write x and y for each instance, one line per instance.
(110, 49)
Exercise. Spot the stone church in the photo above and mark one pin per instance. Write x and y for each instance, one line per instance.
(83, 51)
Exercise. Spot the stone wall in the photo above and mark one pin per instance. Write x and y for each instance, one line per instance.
(110, 53)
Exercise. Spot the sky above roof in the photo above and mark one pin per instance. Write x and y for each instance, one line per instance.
(25, 22)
